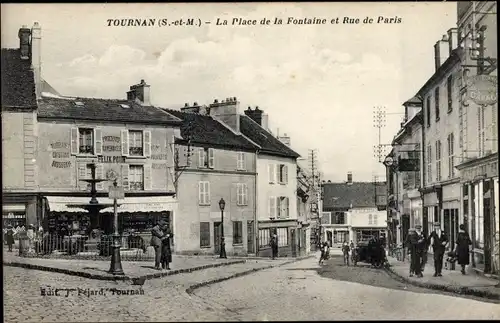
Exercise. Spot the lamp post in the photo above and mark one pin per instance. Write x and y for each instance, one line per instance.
(222, 205)
(116, 263)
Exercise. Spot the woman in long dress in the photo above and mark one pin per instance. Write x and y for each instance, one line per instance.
(166, 252)
(462, 249)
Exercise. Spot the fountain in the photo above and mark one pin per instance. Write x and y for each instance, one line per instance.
(93, 207)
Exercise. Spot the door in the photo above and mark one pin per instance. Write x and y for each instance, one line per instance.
(293, 242)
(329, 237)
(217, 235)
(250, 237)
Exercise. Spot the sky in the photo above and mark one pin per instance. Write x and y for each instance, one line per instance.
(319, 84)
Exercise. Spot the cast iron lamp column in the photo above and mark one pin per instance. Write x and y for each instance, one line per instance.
(222, 205)
(116, 262)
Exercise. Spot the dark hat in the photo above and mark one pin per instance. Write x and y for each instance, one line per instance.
(162, 223)
(418, 226)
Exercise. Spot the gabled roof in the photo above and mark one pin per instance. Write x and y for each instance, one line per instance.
(103, 110)
(269, 144)
(357, 194)
(205, 130)
(414, 100)
(18, 81)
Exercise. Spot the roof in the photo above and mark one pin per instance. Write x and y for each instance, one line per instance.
(102, 109)
(414, 100)
(450, 62)
(204, 129)
(18, 80)
(359, 194)
(269, 144)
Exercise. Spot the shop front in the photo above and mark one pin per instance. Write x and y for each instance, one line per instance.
(479, 202)
(14, 215)
(285, 230)
(432, 209)
(450, 219)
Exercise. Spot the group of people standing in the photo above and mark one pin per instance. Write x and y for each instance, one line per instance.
(160, 240)
(418, 243)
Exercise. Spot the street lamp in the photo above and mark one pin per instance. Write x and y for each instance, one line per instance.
(116, 262)
(222, 205)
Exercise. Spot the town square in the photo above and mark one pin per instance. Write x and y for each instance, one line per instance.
(250, 162)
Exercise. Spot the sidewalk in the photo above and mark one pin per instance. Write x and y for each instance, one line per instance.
(451, 281)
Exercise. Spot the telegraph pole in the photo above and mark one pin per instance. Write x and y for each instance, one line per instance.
(379, 119)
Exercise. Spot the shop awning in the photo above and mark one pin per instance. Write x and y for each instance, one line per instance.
(6, 208)
(129, 204)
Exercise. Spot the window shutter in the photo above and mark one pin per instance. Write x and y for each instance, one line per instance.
(211, 158)
(271, 173)
(238, 194)
(98, 141)
(74, 141)
(201, 157)
(148, 179)
(125, 176)
(278, 207)
(277, 173)
(82, 174)
(245, 194)
(207, 192)
(287, 207)
(285, 174)
(147, 143)
(272, 207)
(99, 174)
(124, 137)
(201, 194)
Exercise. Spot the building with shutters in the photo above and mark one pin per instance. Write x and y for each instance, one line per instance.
(214, 161)
(128, 140)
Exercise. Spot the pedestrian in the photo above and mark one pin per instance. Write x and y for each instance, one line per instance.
(274, 246)
(408, 246)
(156, 241)
(351, 245)
(9, 237)
(462, 248)
(223, 248)
(345, 252)
(439, 241)
(418, 242)
(166, 251)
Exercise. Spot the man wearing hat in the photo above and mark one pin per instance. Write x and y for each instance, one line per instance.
(157, 235)
(439, 241)
(419, 243)
(9, 237)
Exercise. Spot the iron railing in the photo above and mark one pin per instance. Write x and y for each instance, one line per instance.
(133, 247)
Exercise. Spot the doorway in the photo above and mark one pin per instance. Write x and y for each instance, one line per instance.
(250, 237)
(293, 243)
(329, 237)
(217, 236)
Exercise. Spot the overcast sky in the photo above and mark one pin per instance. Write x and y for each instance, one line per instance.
(318, 84)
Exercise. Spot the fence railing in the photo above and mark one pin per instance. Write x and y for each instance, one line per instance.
(133, 247)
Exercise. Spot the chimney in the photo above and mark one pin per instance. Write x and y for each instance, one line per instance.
(255, 115)
(24, 42)
(452, 39)
(441, 51)
(349, 178)
(140, 93)
(285, 139)
(227, 112)
(194, 109)
(265, 121)
(36, 57)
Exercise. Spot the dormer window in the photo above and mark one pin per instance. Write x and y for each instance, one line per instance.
(79, 104)
(125, 106)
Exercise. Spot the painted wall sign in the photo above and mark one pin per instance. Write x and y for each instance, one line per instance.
(483, 89)
(111, 148)
(111, 159)
(111, 175)
(488, 170)
(59, 145)
(159, 157)
(60, 154)
(57, 164)
(158, 166)
(112, 139)
(155, 147)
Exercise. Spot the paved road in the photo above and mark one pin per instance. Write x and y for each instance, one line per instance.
(299, 292)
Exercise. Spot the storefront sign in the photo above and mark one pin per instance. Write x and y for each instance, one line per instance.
(110, 148)
(159, 157)
(111, 159)
(111, 139)
(482, 89)
(57, 164)
(158, 166)
(487, 170)
(59, 145)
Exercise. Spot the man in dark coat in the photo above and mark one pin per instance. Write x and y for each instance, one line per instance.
(439, 241)
(462, 248)
(166, 251)
(418, 243)
(274, 246)
(9, 237)
(156, 241)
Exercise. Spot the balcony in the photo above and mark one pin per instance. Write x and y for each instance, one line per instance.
(86, 149)
(135, 151)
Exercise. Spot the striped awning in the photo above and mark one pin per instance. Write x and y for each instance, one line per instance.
(129, 204)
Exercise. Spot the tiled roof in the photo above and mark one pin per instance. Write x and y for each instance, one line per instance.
(204, 129)
(359, 194)
(268, 143)
(103, 109)
(18, 81)
(414, 100)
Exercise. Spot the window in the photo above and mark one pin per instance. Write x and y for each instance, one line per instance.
(211, 158)
(451, 161)
(242, 194)
(282, 207)
(201, 158)
(370, 219)
(86, 141)
(237, 232)
(375, 219)
(264, 238)
(206, 157)
(449, 90)
(428, 110)
(204, 234)
(135, 143)
(325, 217)
(282, 234)
(241, 161)
(136, 177)
(438, 160)
(204, 193)
(338, 218)
(436, 103)
(283, 174)
(429, 164)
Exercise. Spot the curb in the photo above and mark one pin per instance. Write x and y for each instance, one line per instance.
(452, 289)
(192, 288)
(119, 278)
